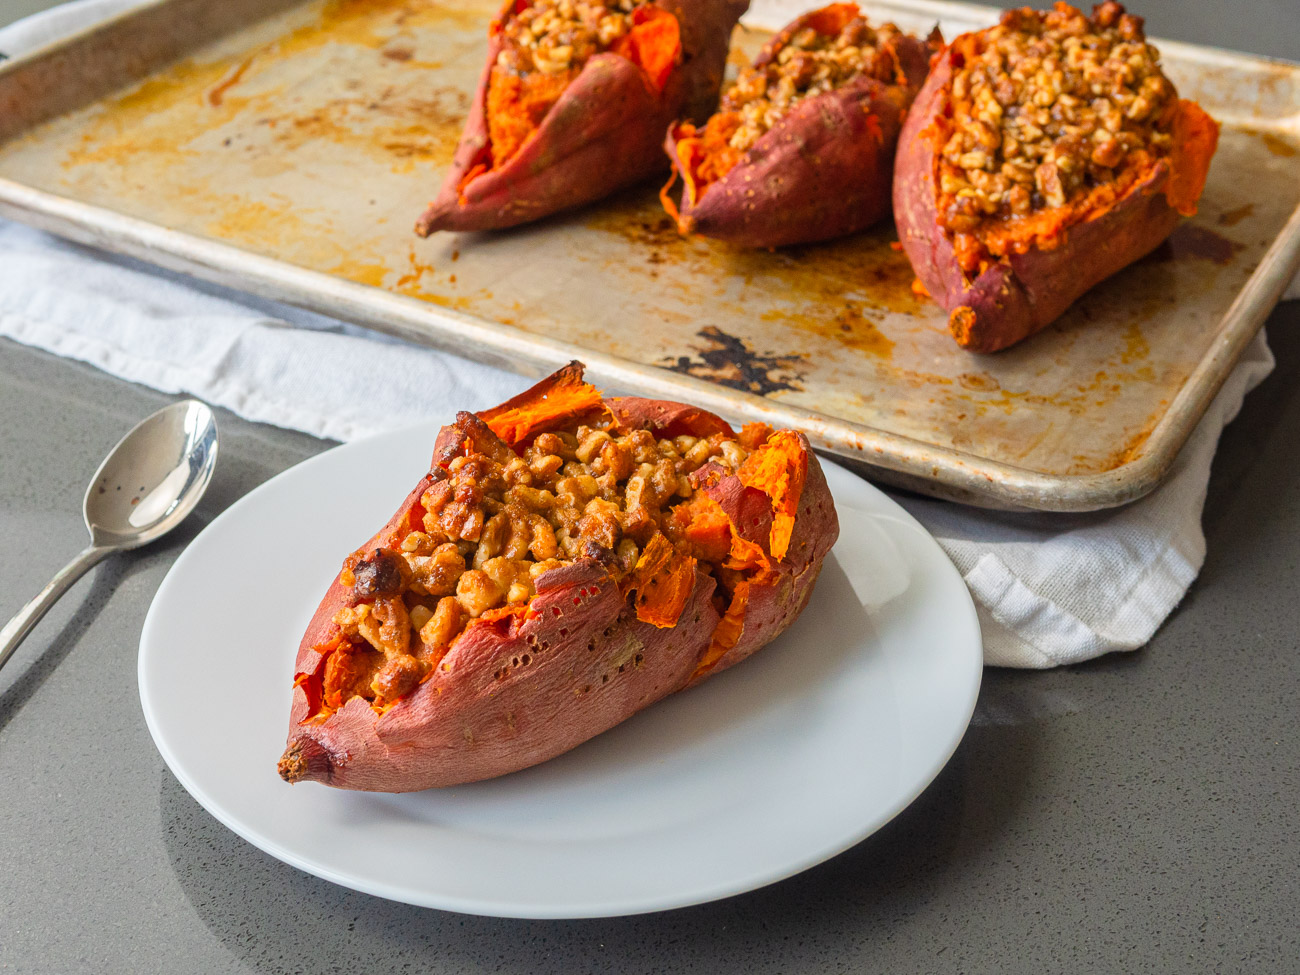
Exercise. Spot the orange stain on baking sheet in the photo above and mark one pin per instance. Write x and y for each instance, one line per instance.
(366, 23)
(979, 382)
(1230, 218)
(411, 279)
(845, 324)
(432, 139)
(982, 393)
(639, 221)
(132, 125)
(412, 282)
(372, 273)
(377, 23)
(1136, 347)
(405, 121)
(251, 222)
(1277, 145)
(864, 268)
(989, 411)
(403, 130)
(231, 78)
(454, 302)
(1126, 453)
(187, 79)
(341, 21)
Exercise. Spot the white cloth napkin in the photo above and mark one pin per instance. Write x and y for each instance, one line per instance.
(1050, 589)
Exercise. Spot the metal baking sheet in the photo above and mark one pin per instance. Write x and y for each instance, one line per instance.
(288, 150)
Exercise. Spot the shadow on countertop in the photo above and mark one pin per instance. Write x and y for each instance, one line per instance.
(278, 919)
(35, 672)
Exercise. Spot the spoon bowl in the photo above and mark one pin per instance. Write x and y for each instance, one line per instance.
(153, 478)
(145, 487)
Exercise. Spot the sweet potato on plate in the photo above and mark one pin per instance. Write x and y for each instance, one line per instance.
(1042, 156)
(801, 148)
(567, 561)
(573, 103)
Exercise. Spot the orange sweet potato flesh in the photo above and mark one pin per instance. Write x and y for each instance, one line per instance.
(1053, 257)
(663, 580)
(799, 516)
(515, 109)
(557, 399)
(596, 651)
(779, 468)
(654, 44)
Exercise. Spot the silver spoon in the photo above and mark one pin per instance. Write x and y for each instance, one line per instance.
(144, 488)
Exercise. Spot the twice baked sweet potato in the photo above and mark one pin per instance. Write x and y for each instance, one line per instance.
(567, 561)
(801, 148)
(573, 103)
(1042, 156)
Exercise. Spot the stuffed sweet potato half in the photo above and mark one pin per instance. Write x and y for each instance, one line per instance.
(567, 561)
(1042, 156)
(802, 146)
(573, 103)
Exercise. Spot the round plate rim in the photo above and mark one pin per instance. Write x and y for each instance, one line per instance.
(502, 907)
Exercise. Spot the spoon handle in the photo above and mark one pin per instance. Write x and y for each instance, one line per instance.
(17, 628)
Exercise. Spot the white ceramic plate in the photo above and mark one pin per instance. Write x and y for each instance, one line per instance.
(766, 770)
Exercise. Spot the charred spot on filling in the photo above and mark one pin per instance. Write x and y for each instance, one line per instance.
(381, 573)
(822, 52)
(1052, 115)
(546, 44)
(494, 519)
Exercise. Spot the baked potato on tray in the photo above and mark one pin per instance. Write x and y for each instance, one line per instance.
(1042, 155)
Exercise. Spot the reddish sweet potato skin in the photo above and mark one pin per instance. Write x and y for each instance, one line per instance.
(665, 418)
(602, 135)
(518, 690)
(1015, 298)
(823, 171)
(577, 666)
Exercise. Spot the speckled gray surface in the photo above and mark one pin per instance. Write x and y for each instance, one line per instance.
(1137, 814)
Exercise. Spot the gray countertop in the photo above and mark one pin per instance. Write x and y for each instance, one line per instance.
(1136, 814)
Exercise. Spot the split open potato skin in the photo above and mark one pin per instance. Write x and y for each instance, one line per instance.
(1022, 293)
(534, 682)
(603, 134)
(823, 171)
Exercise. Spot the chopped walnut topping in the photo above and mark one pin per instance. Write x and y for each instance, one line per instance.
(1046, 108)
(493, 521)
(808, 64)
(553, 36)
